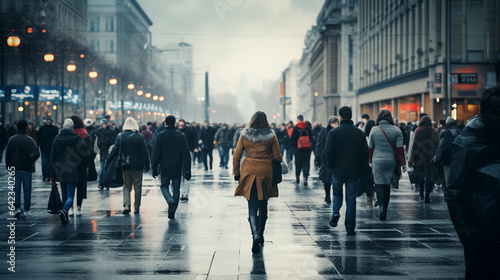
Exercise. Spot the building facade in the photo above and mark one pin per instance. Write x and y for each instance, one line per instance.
(403, 56)
(307, 104)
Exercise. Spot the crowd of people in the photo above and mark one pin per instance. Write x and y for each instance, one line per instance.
(367, 158)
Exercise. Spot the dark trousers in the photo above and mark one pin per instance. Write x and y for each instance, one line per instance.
(302, 162)
(383, 196)
(204, 153)
(428, 189)
(46, 165)
(482, 258)
(1, 154)
(255, 205)
(81, 192)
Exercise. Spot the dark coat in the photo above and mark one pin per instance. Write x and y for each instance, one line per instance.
(70, 155)
(207, 137)
(171, 152)
(191, 137)
(346, 150)
(4, 137)
(472, 186)
(21, 152)
(425, 142)
(133, 146)
(325, 173)
(106, 137)
(46, 135)
(224, 138)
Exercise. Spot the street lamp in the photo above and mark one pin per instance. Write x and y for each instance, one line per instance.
(48, 57)
(113, 81)
(148, 95)
(93, 74)
(162, 98)
(140, 92)
(131, 86)
(13, 41)
(155, 97)
(71, 66)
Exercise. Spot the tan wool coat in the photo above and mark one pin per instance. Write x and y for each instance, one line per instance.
(258, 145)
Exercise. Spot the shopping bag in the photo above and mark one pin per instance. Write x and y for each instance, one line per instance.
(55, 204)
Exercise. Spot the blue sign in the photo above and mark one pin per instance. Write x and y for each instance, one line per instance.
(2, 93)
(49, 93)
(71, 96)
(22, 93)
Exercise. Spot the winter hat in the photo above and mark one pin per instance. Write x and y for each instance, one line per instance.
(450, 120)
(104, 121)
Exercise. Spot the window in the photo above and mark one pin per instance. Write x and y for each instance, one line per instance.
(110, 46)
(94, 45)
(94, 24)
(110, 24)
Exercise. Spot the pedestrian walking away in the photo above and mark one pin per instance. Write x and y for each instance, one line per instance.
(105, 137)
(472, 189)
(325, 174)
(134, 161)
(69, 156)
(46, 135)
(302, 152)
(425, 142)
(382, 141)
(347, 154)
(20, 157)
(171, 154)
(255, 181)
(223, 139)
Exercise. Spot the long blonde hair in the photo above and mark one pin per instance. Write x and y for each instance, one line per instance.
(130, 124)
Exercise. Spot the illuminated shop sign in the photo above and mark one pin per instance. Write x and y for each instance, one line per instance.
(2, 93)
(49, 93)
(464, 78)
(409, 107)
(22, 93)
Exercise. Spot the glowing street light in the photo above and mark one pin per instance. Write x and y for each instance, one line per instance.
(155, 97)
(13, 41)
(71, 66)
(162, 98)
(140, 92)
(148, 95)
(113, 81)
(48, 57)
(93, 74)
(131, 86)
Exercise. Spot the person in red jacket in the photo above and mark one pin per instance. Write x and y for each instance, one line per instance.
(302, 153)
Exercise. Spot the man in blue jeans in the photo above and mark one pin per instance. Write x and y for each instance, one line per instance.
(171, 153)
(20, 158)
(347, 154)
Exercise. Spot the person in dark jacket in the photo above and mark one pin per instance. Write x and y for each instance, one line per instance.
(325, 174)
(315, 133)
(347, 155)
(192, 141)
(12, 130)
(4, 137)
(171, 153)
(105, 136)
(224, 140)
(20, 158)
(135, 161)
(148, 138)
(197, 154)
(441, 161)
(425, 142)
(46, 135)
(302, 155)
(472, 189)
(69, 156)
(81, 186)
(206, 142)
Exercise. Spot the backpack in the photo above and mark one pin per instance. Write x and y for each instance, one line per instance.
(304, 142)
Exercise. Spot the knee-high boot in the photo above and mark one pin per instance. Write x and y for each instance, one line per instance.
(328, 195)
(381, 201)
(255, 233)
(262, 220)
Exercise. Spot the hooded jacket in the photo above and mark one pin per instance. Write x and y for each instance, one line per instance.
(70, 154)
(425, 142)
(46, 135)
(132, 146)
(472, 187)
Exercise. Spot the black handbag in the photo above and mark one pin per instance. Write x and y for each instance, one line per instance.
(55, 204)
(365, 181)
(277, 176)
(113, 174)
(91, 172)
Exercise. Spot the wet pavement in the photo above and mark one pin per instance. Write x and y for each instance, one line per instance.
(210, 237)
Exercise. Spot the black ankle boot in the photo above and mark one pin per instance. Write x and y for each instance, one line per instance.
(297, 180)
(305, 181)
(383, 214)
(328, 198)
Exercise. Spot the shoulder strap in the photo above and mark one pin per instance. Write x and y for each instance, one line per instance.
(392, 146)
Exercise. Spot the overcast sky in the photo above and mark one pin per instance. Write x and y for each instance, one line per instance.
(257, 38)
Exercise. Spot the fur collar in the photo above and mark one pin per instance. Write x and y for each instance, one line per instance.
(258, 135)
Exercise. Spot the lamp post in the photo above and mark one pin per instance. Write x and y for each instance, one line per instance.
(314, 106)
(12, 41)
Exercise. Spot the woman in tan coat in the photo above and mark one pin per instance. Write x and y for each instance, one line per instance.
(256, 175)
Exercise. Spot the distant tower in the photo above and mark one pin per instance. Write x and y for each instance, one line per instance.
(245, 102)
